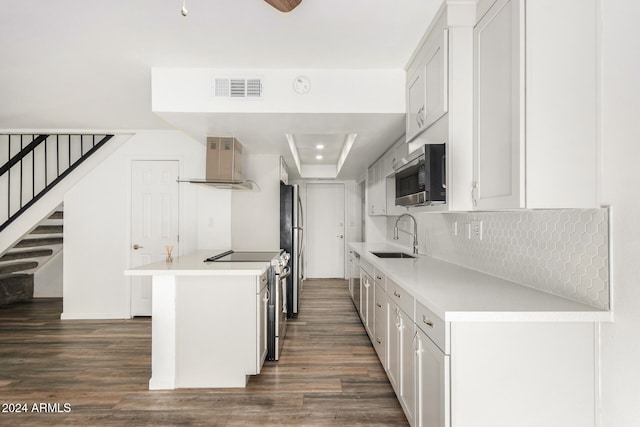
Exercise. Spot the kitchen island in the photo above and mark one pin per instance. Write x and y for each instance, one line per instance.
(208, 321)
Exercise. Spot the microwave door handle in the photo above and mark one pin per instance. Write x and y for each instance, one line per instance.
(444, 171)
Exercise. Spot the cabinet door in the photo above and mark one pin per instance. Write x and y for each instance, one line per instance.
(351, 274)
(399, 151)
(371, 190)
(367, 303)
(263, 301)
(435, 79)
(416, 99)
(380, 188)
(432, 384)
(376, 189)
(380, 325)
(371, 309)
(394, 326)
(407, 393)
(498, 170)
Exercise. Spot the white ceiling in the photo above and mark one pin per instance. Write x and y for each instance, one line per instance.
(69, 64)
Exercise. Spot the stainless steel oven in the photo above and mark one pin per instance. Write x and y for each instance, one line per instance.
(277, 307)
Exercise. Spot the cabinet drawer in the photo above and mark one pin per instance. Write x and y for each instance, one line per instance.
(431, 325)
(402, 298)
(367, 266)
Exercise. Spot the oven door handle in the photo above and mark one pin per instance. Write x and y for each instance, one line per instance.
(285, 273)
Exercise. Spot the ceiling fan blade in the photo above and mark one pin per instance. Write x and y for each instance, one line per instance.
(284, 5)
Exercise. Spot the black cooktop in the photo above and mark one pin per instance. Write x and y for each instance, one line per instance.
(233, 256)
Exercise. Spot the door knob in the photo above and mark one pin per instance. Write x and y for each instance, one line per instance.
(137, 246)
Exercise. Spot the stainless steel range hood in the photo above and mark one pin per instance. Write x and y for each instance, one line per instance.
(224, 166)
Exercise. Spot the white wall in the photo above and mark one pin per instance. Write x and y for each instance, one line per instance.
(620, 146)
(47, 280)
(255, 216)
(340, 91)
(97, 223)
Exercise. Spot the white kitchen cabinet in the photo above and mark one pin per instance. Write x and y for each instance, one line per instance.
(416, 94)
(262, 303)
(433, 407)
(380, 324)
(482, 368)
(368, 312)
(427, 83)
(400, 358)
(394, 344)
(376, 189)
(432, 384)
(532, 115)
(367, 302)
(407, 387)
(499, 107)
(400, 348)
(394, 157)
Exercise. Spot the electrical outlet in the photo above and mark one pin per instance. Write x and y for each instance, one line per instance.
(476, 230)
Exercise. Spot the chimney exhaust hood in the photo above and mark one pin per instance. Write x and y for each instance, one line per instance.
(224, 166)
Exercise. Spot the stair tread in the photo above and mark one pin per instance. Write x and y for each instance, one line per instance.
(7, 276)
(18, 266)
(44, 241)
(10, 256)
(57, 215)
(48, 229)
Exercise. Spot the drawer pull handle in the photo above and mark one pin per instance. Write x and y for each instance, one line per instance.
(378, 340)
(426, 321)
(395, 293)
(378, 305)
(378, 277)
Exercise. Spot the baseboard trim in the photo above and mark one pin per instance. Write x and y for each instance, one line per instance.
(93, 316)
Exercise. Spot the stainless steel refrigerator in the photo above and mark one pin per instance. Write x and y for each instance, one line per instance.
(291, 240)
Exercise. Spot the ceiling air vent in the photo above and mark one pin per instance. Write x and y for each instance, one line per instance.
(237, 87)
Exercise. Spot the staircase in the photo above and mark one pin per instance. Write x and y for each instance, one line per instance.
(18, 264)
(30, 166)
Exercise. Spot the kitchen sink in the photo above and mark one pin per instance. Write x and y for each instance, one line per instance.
(392, 255)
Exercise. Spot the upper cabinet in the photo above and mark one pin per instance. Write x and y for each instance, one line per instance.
(440, 99)
(427, 83)
(535, 105)
(499, 107)
(376, 189)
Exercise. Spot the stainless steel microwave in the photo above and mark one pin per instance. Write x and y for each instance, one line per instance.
(422, 179)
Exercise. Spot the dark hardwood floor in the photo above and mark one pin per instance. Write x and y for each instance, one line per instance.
(96, 373)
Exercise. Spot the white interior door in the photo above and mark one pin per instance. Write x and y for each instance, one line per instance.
(154, 222)
(324, 244)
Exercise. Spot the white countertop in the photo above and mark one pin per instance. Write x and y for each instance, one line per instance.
(193, 264)
(456, 293)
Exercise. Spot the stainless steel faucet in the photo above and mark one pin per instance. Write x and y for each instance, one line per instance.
(415, 231)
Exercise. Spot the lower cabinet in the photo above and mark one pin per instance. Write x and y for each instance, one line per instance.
(367, 302)
(400, 358)
(262, 303)
(480, 373)
(407, 389)
(380, 324)
(394, 328)
(432, 383)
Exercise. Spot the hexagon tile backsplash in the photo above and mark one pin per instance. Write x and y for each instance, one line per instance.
(563, 252)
